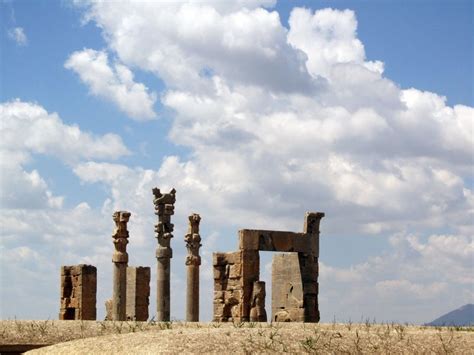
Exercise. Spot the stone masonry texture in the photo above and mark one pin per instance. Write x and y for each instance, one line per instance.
(239, 295)
(138, 293)
(78, 292)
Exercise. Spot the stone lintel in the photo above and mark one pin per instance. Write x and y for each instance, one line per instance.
(282, 241)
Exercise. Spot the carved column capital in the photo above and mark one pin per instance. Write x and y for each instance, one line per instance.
(164, 209)
(120, 236)
(193, 240)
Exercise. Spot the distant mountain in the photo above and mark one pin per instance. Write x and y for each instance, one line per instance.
(463, 316)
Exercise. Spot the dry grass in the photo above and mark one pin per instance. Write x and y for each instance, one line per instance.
(141, 337)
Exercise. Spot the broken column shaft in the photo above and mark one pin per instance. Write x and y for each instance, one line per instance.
(120, 260)
(164, 209)
(193, 260)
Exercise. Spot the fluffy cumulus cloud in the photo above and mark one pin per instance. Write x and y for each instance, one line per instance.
(36, 242)
(186, 43)
(279, 121)
(27, 129)
(18, 35)
(431, 273)
(114, 83)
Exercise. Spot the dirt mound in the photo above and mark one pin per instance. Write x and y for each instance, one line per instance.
(282, 337)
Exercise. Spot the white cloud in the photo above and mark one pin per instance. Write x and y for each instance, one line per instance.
(186, 43)
(27, 129)
(328, 37)
(18, 35)
(115, 84)
(393, 289)
(411, 281)
(35, 243)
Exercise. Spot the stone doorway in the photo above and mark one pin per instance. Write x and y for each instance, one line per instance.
(238, 291)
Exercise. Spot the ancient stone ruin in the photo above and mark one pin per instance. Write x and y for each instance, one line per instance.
(131, 285)
(294, 288)
(120, 260)
(193, 260)
(78, 292)
(164, 209)
(239, 294)
(138, 293)
(257, 304)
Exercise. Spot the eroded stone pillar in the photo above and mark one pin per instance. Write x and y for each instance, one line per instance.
(164, 209)
(78, 292)
(138, 293)
(257, 310)
(193, 260)
(234, 276)
(120, 260)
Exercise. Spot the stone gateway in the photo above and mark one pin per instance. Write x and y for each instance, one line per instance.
(239, 295)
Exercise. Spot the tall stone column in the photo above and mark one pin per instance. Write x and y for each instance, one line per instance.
(164, 209)
(120, 260)
(193, 260)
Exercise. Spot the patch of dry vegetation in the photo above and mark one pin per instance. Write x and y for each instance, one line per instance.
(152, 337)
(57, 331)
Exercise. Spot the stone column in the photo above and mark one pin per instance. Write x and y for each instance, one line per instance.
(193, 260)
(164, 209)
(120, 260)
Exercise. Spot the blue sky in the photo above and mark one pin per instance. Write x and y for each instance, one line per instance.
(255, 119)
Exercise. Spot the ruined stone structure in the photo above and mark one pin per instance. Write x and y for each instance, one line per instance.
(120, 260)
(78, 292)
(164, 209)
(287, 289)
(257, 310)
(193, 260)
(108, 309)
(138, 293)
(234, 275)
(238, 292)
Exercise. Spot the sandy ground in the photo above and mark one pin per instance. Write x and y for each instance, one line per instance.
(180, 337)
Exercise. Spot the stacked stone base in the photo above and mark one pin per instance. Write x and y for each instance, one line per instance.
(138, 293)
(78, 292)
(234, 275)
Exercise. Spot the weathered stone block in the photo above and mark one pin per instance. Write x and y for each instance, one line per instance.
(281, 241)
(235, 271)
(78, 292)
(225, 258)
(138, 293)
(108, 309)
(312, 221)
(219, 272)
